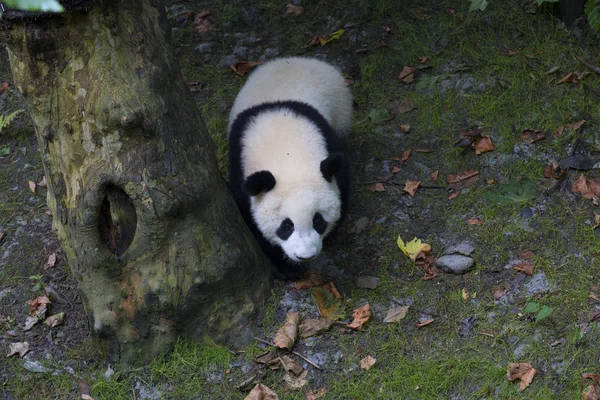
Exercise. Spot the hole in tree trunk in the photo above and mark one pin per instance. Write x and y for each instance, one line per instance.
(117, 221)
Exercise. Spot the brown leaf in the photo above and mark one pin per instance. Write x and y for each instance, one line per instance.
(330, 287)
(423, 59)
(295, 375)
(30, 322)
(491, 181)
(311, 280)
(202, 25)
(591, 392)
(32, 186)
(434, 175)
(569, 127)
(349, 80)
(395, 169)
(499, 291)
(292, 9)
(424, 323)
(475, 221)
(314, 394)
(269, 358)
(509, 53)
(396, 314)
(532, 135)
(51, 261)
(587, 187)
(483, 145)
(525, 255)
(195, 86)
(261, 392)
(287, 334)
(20, 348)
(407, 75)
(377, 187)
(367, 362)
(360, 316)
(553, 171)
(522, 371)
(314, 326)
(38, 304)
(424, 150)
(462, 180)
(43, 183)
(593, 376)
(454, 195)
(4, 87)
(327, 304)
(404, 128)
(596, 220)
(398, 108)
(406, 155)
(567, 78)
(243, 67)
(54, 320)
(411, 187)
(450, 11)
(524, 267)
(86, 397)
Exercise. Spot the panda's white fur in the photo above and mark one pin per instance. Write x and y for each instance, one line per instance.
(287, 161)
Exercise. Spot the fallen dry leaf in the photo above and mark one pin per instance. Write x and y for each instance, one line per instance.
(43, 182)
(195, 86)
(462, 180)
(4, 87)
(327, 303)
(532, 135)
(360, 316)
(202, 25)
(311, 280)
(434, 175)
(407, 75)
(525, 255)
(414, 248)
(37, 305)
(243, 67)
(86, 397)
(590, 392)
(509, 53)
(292, 9)
(426, 322)
(330, 287)
(261, 392)
(287, 334)
(569, 127)
(483, 145)
(592, 375)
(465, 294)
(54, 320)
(474, 221)
(526, 268)
(396, 314)
(395, 169)
(406, 155)
(367, 362)
(51, 261)
(269, 358)
(454, 195)
(491, 181)
(377, 187)
(426, 261)
(30, 322)
(411, 187)
(596, 220)
(553, 171)
(398, 108)
(522, 371)
(20, 348)
(314, 394)
(295, 375)
(450, 11)
(423, 59)
(499, 291)
(314, 326)
(404, 128)
(567, 78)
(32, 186)
(587, 187)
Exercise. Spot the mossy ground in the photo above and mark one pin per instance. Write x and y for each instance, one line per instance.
(463, 354)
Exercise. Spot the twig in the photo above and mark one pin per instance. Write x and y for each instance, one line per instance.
(592, 67)
(397, 183)
(293, 352)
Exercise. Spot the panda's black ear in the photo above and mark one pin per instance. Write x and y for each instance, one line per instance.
(258, 182)
(332, 165)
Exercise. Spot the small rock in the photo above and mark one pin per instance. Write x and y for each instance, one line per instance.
(108, 373)
(216, 377)
(455, 264)
(368, 282)
(270, 52)
(246, 369)
(464, 248)
(240, 51)
(227, 61)
(520, 350)
(538, 284)
(35, 366)
(204, 48)
(526, 213)
(337, 356)
(466, 327)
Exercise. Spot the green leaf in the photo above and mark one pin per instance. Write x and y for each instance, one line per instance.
(544, 313)
(328, 305)
(540, 2)
(531, 307)
(4, 150)
(516, 191)
(35, 5)
(379, 115)
(478, 5)
(427, 81)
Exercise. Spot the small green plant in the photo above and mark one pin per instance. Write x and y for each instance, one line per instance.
(5, 120)
(543, 312)
(516, 191)
(37, 283)
(592, 10)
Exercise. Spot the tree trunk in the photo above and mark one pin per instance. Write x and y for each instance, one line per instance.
(148, 226)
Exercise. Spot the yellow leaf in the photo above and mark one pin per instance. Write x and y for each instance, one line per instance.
(332, 36)
(413, 248)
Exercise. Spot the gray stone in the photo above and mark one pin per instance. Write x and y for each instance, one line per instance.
(35, 366)
(270, 52)
(203, 48)
(526, 213)
(466, 327)
(464, 248)
(519, 352)
(538, 284)
(227, 61)
(246, 369)
(337, 356)
(368, 282)
(240, 51)
(146, 392)
(216, 377)
(455, 264)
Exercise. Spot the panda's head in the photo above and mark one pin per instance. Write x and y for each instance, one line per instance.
(297, 214)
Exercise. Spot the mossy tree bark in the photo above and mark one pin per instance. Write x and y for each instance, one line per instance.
(148, 226)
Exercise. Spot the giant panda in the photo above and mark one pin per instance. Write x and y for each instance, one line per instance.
(288, 167)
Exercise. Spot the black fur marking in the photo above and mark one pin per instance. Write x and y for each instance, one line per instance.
(283, 268)
(332, 165)
(319, 223)
(286, 229)
(258, 182)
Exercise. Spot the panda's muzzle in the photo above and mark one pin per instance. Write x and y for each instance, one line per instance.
(303, 259)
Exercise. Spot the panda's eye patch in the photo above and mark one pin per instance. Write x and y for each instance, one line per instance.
(319, 223)
(286, 229)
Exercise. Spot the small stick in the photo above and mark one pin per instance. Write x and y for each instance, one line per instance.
(293, 352)
(592, 67)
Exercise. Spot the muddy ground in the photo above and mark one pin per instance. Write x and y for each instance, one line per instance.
(494, 73)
